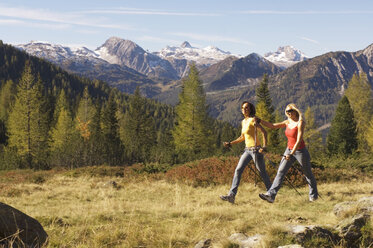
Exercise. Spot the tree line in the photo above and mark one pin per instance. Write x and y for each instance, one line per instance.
(49, 118)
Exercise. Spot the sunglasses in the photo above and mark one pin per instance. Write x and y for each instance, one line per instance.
(289, 110)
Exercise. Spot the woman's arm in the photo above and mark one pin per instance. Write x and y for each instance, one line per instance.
(238, 140)
(299, 137)
(273, 125)
(264, 132)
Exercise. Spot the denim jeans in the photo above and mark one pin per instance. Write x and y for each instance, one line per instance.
(246, 157)
(303, 157)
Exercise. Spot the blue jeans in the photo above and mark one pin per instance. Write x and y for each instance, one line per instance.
(246, 157)
(303, 157)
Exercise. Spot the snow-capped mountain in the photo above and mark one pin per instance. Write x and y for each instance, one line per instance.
(125, 52)
(201, 56)
(285, 56)
(58, 53)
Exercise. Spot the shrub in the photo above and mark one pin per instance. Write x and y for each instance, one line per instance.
(220, 170)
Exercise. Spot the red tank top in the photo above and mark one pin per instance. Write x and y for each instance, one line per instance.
(291, 134)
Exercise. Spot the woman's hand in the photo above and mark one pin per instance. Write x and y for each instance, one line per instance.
(288, 156)
(227, 144)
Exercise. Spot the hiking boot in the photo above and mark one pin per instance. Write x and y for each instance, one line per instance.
(229, 198)
(267, 198)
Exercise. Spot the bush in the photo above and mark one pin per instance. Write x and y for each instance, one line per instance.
(220, 170)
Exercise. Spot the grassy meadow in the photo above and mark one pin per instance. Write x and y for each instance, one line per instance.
(114, 207)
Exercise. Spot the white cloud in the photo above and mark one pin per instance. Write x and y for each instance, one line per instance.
(310, 40)
(130, 11)
(57, 17)
(275, 12)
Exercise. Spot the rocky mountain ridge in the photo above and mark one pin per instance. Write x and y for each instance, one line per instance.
(285, 56)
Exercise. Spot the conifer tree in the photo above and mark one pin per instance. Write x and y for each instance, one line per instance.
(359, 94)
(192, 131)
(83, 121)
(63, 135)
(7, 93)
(342, 138)
(138, 130)
(311, 135)
(113, 151)
(370, 135)
(28, 129)
(265, 110)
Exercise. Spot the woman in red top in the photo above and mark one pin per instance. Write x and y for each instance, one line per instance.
(296, 150)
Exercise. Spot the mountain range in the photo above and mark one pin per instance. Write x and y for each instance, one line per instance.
(228, 79)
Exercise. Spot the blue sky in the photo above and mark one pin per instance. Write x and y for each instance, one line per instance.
(240, 27)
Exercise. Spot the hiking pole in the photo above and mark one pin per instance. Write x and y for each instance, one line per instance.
(287, 179)
(304, 177)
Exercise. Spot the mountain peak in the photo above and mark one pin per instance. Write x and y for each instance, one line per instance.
(186, 44)
(285, 56)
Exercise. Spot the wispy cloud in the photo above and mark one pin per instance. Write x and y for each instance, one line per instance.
(209, 38)
(44, 15)
(310, 12)
(310, 40)
(131, 11)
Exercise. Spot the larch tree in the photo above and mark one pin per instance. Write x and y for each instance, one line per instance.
(265, 110)
(342, 138)
(192, 132)
(312, 135)
(28, 129)
(359, 94)
(63, 134)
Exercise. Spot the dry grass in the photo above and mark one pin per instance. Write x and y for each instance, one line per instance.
(78, 210)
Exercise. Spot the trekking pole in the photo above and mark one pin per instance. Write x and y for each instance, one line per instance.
(304, 177)
(287, 179)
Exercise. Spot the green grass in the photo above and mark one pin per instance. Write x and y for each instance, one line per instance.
(81, 208)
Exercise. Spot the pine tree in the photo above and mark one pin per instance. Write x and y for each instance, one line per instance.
(28, 129)
(113, 151)
(311, 135)
(359, 94)
(342, 138)
(192, 132)
(370, 135)
(265, 110)
(138, 130)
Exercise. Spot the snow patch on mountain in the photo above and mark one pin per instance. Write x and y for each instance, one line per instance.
(59, 53)
(285, 56)
(201, 56)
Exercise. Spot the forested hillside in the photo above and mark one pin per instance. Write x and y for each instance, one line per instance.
(51, 118)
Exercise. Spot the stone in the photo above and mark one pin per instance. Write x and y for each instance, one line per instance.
(303, 233)
(363, 205)
(350, 229)
(246, 242)
(291, 246)
(20, 229)
(205, 243)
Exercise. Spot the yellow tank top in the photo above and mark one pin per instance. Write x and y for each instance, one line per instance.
(248, 130)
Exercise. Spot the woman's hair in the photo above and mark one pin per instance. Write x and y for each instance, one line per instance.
(293, 106)
(251, 108)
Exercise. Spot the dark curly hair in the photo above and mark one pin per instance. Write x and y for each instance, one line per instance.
(251, 108)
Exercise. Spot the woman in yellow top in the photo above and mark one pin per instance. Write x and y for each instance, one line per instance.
(253, 150)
